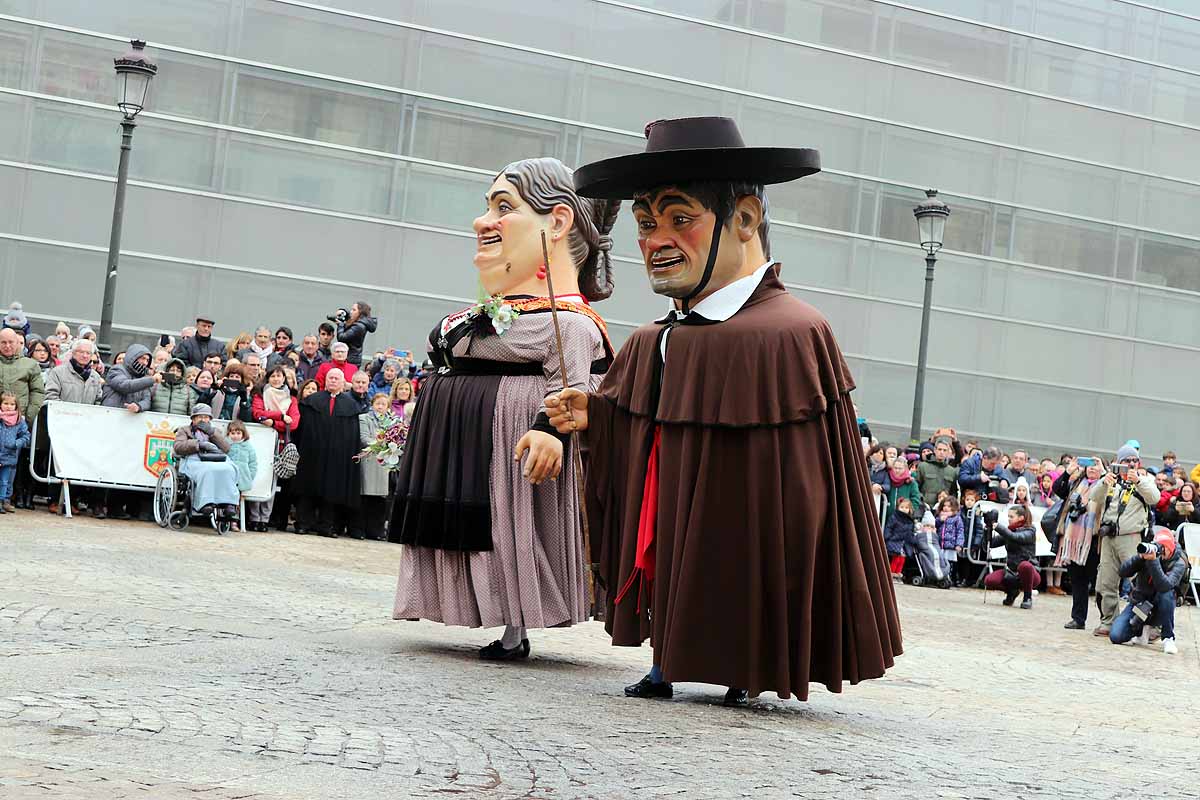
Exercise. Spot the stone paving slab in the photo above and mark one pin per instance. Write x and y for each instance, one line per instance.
(136, 662)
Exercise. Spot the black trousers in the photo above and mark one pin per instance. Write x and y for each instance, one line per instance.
(370, 518)
(322, 516)
(1082, 576)
(284, 500)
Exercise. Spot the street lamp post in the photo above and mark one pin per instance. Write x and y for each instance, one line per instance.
(134, 73)
(931, 223)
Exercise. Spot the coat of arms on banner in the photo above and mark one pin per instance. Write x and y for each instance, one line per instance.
(160, 447)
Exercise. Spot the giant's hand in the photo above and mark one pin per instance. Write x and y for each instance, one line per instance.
(545, 456)
(568, 410)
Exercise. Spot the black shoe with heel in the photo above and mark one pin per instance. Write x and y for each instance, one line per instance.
(736, 698)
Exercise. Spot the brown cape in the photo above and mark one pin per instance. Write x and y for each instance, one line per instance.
(771, 569)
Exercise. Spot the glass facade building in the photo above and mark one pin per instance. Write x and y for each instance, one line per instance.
(297, 156)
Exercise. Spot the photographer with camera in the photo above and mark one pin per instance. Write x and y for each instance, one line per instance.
(1122, 500)
(1019, 539)
(1156, 569)
(353, 327)
(1079, 546)
(981, 472)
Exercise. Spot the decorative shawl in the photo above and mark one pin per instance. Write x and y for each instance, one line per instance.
(1076, 544)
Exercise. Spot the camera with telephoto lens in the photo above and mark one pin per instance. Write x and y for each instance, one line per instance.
(341, 315)
(990, 518)
(1108, 529)
(1147, 547)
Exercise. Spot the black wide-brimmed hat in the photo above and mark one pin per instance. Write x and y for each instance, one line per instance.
(693, 149)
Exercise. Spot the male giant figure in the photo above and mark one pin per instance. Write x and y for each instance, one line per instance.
(727, 492)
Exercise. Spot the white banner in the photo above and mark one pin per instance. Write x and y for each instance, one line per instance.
(96, 444)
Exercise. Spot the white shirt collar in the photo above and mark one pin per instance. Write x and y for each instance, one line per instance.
(726, 301)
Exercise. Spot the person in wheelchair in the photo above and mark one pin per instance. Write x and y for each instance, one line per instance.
(200, 452)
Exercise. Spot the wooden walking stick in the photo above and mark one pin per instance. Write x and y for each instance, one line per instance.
(576, 455)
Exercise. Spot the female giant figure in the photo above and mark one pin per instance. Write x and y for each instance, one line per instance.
(486, 499)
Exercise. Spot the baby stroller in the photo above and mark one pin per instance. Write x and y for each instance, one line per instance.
(923, 567)
(173, 504)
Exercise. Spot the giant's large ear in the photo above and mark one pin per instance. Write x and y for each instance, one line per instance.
(562, 219)
(747, 217)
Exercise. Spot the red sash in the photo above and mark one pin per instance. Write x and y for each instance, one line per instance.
(643, 562)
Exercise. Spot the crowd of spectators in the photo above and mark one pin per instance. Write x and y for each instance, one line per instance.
(1112, 528)
(1105, 523)
(324, 393)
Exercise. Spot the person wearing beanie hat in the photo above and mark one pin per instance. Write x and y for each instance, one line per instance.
(1126, 495)
(16, 319)
(199, 451)
(1156, 570)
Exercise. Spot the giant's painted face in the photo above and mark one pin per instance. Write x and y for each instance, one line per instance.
(675, 233)
(508, 245)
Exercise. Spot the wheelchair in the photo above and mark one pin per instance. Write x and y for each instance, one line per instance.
(173, 503)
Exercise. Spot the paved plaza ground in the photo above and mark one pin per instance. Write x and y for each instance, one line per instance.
(136, 662)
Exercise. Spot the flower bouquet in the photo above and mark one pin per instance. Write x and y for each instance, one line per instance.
(388, 445)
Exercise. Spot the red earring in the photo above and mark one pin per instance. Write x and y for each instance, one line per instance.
(541, 273)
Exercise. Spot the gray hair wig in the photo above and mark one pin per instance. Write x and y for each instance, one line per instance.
(545, 183)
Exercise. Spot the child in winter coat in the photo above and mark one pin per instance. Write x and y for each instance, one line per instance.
(951, 536)
(242, 454)
(14, 437)
(903, 486)
(925, 548)
(898, 534)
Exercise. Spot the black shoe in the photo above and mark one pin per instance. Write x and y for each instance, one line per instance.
(1027, 603)
(1074, 626)
(736, 698)
(100, 513)
(1010, 598)
(498, 652)
(649, 689)
(356, 535)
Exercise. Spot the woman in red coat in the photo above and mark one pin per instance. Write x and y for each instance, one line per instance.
(272, 404)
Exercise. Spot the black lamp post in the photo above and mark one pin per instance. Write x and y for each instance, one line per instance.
(134, 73)
(931, 223)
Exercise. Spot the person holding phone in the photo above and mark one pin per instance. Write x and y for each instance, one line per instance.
(1184, 508)
(1079, 546)
(1123, 501)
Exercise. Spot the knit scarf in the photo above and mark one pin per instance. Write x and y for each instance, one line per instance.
(84, 372)
(1076, 544)
(276, 399)
(10, 418)
(899, 478)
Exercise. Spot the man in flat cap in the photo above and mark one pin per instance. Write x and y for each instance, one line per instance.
(200, 345)
(727, 489)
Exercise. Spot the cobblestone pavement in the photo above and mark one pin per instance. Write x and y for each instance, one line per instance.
(136, 662)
